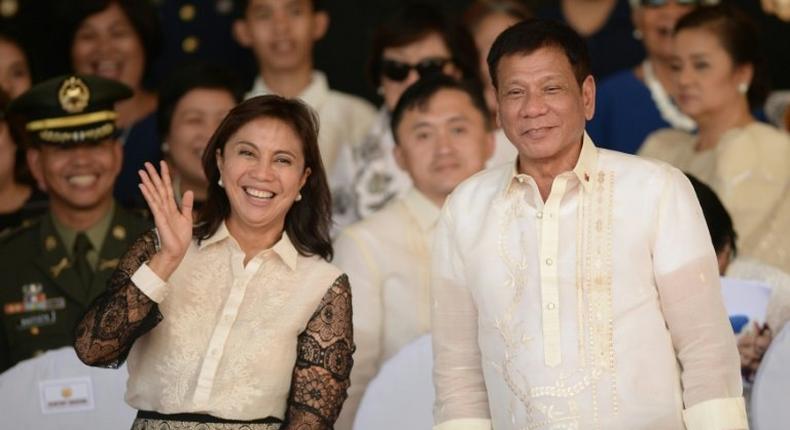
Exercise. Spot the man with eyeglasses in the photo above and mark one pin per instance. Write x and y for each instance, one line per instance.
(577, 289)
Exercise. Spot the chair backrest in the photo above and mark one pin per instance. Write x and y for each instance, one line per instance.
(401, 395)
(745, 299)
(771, 389)
(57, 391)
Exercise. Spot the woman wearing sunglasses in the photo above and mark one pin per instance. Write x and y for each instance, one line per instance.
(418, 41)
(633, 103)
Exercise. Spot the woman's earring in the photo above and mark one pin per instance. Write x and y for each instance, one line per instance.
(743, 88)
(637, 34)
(299, 197)
(165, 147)
(220, 183)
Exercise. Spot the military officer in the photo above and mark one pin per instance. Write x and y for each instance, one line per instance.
(51, 270)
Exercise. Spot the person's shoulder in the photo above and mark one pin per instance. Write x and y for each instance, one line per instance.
(479, 189)
(755, 146)
(765, 134)
(618, 81)
(664, 141)
(19, 242)
(378, 226)
(636, 167)
(351, 102)
(135, 219)
(316, 267)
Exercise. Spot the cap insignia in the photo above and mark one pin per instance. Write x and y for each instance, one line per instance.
(73, 95)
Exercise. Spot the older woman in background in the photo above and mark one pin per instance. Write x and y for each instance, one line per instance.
(719, 76)
(633, 103)
(119, 40)
(193, 100)
(239, 322)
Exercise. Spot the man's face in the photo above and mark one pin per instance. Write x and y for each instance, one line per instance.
(79, 177)
(443, 143)
(281, 33)
(541, 107)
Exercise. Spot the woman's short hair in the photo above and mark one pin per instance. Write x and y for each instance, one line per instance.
(188, 77)
(414, 21)
(141, 14)
(739, 37)
(307, 221)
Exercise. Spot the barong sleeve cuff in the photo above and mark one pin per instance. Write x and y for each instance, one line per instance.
(717, 414)
(465, 424)
(149, 283)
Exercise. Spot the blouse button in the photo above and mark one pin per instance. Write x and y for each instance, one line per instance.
(549, 261)
(539, 215)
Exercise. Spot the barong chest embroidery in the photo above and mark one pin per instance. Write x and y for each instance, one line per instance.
(556, 405)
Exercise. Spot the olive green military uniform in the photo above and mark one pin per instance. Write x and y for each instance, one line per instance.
(41, 293)
(50, 273)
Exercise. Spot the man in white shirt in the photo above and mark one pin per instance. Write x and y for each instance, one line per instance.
(443, 135)
(281, 34)
(577, 289)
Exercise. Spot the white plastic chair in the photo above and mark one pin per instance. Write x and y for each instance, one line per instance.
(401, 395)
(23, 387)
(770, 402)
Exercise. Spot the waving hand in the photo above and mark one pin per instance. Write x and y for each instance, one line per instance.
(174, 224)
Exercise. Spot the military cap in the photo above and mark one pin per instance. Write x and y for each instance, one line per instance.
(70, 109)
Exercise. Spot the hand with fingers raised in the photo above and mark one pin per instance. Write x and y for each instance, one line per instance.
(173, 223)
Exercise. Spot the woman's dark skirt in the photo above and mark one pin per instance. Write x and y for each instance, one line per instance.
(148, 420)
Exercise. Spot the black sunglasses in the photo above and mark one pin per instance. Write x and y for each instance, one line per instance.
(398, 71)
(659, 3)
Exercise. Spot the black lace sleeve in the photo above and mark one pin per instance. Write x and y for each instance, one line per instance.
(121, 314)
(323, 363)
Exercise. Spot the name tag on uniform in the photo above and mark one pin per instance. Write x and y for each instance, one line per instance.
(66, 395)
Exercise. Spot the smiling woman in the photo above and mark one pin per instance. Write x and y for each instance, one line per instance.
(193, 100)
(244, 305)
(119, 40)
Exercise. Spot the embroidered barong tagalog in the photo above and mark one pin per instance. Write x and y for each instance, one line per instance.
(594, 314)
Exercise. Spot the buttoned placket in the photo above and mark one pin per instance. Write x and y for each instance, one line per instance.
(242, 275)
(549, 225)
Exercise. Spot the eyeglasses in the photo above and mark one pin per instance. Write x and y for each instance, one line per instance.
(398, 71)
(659, 3)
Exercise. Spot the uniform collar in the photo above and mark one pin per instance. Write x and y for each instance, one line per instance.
(283, 248)
(425, 211)
(95, 233)
(315, 94)
(586, 166)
